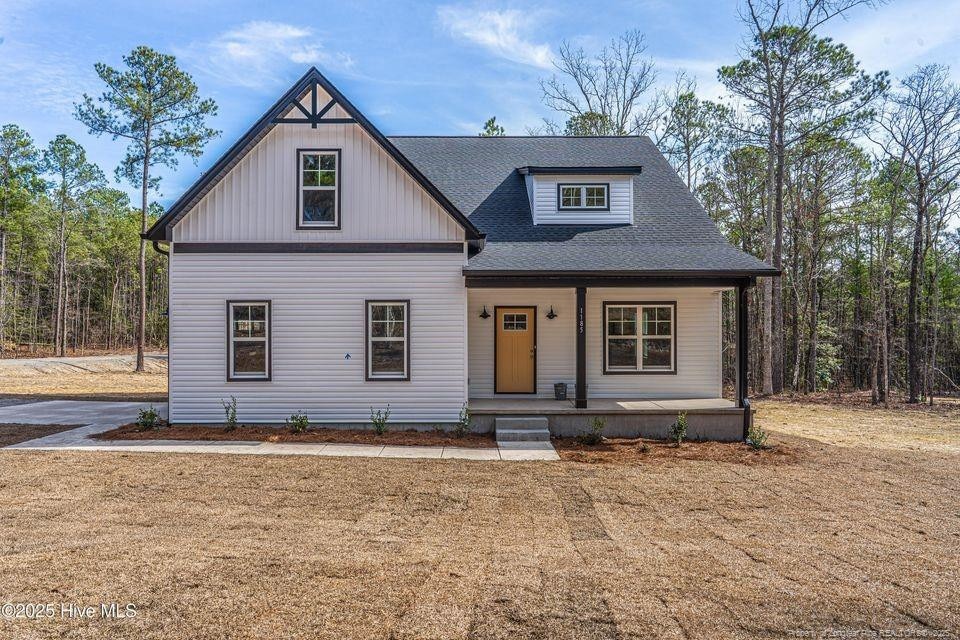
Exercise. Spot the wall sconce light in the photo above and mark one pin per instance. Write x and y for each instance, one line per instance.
(484, 314)
(551, 314)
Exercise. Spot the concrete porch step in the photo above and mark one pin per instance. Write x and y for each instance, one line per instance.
(522, 422)
(522, 429)
(523, 435)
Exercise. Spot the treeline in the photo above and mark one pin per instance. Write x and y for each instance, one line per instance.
(75, 274)
(844, 180)
(68, 254)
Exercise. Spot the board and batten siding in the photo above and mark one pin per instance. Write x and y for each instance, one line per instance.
(256, 201)
(543, 190)
(697, 339)
(317, 320)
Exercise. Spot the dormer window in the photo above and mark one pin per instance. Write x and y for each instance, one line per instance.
(583, 197)
(318, 189)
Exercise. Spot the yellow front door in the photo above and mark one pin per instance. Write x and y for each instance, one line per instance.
(516, 350)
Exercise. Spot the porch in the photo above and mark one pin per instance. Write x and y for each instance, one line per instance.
(633, 351)
(707, 418)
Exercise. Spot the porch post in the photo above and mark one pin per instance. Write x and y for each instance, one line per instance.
(743, 354)
(581, 392)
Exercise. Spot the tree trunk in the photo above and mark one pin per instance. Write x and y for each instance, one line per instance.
(767, 335)
(811, 385)
(142, 264)
(913, 319)
(777, 284)
(3, 284)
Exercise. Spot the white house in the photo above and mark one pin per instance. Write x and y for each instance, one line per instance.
(320, 266)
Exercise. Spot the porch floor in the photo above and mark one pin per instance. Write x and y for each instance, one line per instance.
(480, 406)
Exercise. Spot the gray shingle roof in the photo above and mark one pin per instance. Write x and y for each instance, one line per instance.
(671, 231)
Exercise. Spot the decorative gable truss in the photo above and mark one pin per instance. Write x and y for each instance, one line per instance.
(315, 101)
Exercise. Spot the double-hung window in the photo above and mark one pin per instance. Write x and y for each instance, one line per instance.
(388, 340)
(639, 337)
(318, 189)
(248, 340)
(583, 196)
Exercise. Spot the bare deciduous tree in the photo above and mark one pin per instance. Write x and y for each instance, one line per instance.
(921, 126)
(605, 90)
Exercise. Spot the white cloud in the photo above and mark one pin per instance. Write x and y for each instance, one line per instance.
(500, 32)
(252, 54)
(901, 36)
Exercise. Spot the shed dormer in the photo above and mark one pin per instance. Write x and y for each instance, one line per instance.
(580, 195)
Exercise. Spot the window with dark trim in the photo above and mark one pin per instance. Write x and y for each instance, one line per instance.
(248, 340)
(318, 189)
(639, 337)
(388, 340)
(580, 197)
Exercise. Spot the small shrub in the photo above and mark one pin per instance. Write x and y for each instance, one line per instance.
(379, 419)
(230, 413)
(756, 437)
(298, 422)
(594, 435)
(678, 431)
(644, 448)
(463, 422)
(148, 419)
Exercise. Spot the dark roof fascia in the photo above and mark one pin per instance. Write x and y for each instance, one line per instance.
(681, 273)
(526, 279)
(474, 282)
(624, 170)
(161, 229)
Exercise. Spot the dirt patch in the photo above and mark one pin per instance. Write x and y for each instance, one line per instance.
(282, 434)
(642, 450)
(116, 386)
(17, 433)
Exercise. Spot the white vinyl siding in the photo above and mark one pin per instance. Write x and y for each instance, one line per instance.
(697, 342)
(543, 190)
(317, 320)
(556, 357)
(257, 200)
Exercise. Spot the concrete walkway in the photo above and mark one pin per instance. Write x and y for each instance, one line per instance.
(103, 416)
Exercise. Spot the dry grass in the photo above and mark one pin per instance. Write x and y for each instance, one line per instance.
(839, 539)
(126, 386)
(853, 422)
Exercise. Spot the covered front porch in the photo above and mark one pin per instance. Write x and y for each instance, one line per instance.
(707, 418)
(668, 329)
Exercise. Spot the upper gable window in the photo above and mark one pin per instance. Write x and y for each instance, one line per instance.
(579, 197)
(318, 189)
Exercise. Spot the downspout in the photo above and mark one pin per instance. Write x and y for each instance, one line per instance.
(743, 354)
(165, 252)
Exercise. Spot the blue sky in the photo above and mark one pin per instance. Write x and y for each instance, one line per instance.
(412, 67)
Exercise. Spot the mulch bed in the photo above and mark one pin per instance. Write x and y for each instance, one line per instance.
(640, 450)
(264, 433)
(17, 433)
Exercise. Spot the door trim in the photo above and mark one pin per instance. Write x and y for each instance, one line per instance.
(496, 332)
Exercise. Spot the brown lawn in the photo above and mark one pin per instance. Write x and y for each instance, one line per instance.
(115, 385)
(817, 540)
